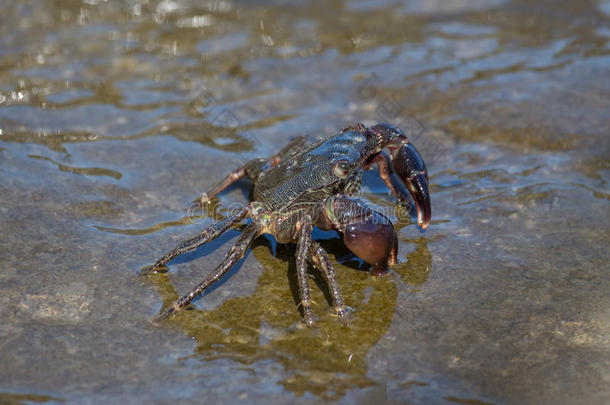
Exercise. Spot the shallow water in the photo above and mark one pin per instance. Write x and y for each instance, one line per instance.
(114, 116)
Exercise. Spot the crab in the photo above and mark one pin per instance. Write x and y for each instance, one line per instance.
(306, 186)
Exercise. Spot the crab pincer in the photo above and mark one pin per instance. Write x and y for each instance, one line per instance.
(407, 169)
(411, 169)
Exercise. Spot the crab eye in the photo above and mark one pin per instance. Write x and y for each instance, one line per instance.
(341, 169)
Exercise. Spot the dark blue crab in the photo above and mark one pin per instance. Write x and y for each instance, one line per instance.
(311, 185)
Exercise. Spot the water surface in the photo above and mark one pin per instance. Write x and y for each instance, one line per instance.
(114, 116)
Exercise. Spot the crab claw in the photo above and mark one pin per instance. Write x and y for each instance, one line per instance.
(410, 167)
(372, 239)
(369, 234)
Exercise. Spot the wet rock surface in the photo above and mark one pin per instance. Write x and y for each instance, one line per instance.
(114, 116)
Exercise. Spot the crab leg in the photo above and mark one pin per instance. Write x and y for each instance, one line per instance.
(321, 260)
(226, 182)
(303, 246)
(233, 255)
(207, 235)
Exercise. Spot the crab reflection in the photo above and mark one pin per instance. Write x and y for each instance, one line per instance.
(324, 361)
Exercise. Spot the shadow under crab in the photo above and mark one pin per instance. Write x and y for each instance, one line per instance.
(260, 326)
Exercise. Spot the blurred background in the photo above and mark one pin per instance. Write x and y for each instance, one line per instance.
(115, 115)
